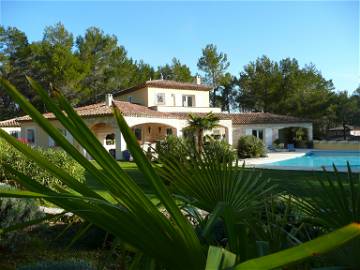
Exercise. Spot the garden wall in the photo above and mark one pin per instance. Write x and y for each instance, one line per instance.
(337, 145)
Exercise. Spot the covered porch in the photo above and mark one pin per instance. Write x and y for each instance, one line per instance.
(148, 134)
(268, 133)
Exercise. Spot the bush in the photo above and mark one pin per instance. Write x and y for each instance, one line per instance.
(220, 149)
(174, 147)
(58, 265)
(10, 156)
(250, 147)
(15, 211)
(183, 148)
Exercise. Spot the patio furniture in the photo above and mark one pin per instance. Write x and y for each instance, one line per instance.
(272, 149)
(291, 147)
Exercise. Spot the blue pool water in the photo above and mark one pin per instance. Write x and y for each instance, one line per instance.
(318, 159)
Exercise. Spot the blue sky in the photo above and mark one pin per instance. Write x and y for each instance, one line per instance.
(325, 33)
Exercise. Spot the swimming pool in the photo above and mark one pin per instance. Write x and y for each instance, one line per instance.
(318, 159)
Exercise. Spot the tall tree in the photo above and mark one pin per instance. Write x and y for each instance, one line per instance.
(107, 65)
(15, 63)
(57, 65)
(228, 92)
(285, 88)
(176, 71)
(259, 83)
(214, 64)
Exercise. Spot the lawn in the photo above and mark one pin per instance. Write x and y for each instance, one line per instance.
(284, 179)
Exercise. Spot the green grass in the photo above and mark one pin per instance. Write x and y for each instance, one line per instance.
(285, 179)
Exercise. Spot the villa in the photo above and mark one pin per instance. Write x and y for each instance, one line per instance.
(154, 110)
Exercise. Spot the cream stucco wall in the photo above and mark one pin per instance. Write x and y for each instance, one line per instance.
(337, 145)
(139, 97)
(173, 97)
(42, 138)
(271, 131)
(10, 130)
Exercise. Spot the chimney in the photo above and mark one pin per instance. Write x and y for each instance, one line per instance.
(108, 100)
(198, 79)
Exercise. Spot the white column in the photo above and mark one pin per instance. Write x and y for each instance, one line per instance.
(275, 135)
(310, 132)
(118, 144)
(268, 136)
(230, 135)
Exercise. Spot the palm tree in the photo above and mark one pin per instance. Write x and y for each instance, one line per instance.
(158, 240)
(198, 124)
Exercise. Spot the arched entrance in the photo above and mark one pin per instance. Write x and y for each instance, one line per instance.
(150, 133)
(299, 136)
(106, 135)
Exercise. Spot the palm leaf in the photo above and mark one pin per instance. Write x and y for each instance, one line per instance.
(304, 251)
(134, 219)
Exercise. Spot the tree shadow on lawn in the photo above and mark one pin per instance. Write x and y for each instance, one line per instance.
(285, 180)
(49, 243)
(131, 169)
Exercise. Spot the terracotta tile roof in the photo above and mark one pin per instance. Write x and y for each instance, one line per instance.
(10, 123)
(185, 115)
(264, 118)
(135, 110)
(100, 109)
(166, 84)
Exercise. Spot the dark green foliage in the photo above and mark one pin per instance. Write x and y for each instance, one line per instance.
(214, 64)
(15, 211)
(294, 135)
(334, 201)
(250, 147)
(11, 157)
(182, 149)
(174, 147)
(198, 124)
(176, 72)
(82, 68)
(59, 265)
(286, 88)
(161, 236)
(221, 149)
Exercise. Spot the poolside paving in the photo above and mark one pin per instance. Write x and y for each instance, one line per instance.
(274, 157)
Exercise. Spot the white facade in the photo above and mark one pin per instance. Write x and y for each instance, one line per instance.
(14, 131)
(270, 131)
(160, 117)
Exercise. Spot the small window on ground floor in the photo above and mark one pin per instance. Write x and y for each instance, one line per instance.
(258, 133)
(30, 135)
(137, 132)
(15, 134)
(169, 131)
(110, 139)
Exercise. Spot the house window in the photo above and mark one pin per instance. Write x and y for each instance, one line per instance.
(160, 98)
(188, 101)
(30, 135)
(169, 131)
(258, 133)
(110, 139)
(137, 132)
(15, 134)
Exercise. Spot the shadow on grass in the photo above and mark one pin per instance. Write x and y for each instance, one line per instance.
(131, 169)
(286, 180)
